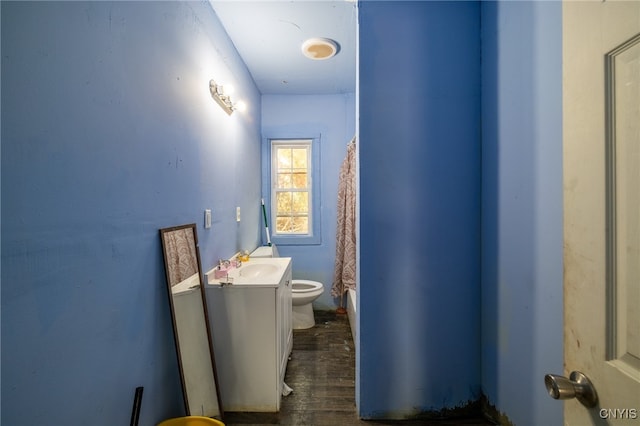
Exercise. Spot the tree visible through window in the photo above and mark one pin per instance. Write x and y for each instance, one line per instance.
(291, 186)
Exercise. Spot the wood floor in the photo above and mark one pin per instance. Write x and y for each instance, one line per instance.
(321, 373)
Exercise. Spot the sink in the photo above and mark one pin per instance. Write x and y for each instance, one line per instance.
(257, 270)
(260, 272)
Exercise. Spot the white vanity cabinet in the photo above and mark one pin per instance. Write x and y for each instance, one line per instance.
(252, 335)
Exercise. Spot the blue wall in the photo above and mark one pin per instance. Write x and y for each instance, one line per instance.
(331, 118)
(419, 206)
(522, 207)
(108, 134)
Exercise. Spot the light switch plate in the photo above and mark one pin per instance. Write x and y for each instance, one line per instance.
(238, 214)
(207, 218)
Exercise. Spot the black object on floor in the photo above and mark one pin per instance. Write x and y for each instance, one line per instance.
(137, 404)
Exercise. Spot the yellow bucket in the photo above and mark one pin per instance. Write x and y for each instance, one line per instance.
(191, 421)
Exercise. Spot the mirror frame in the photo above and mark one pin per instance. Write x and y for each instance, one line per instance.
(185, 391)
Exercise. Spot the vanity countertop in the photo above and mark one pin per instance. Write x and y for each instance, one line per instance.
(256, 272)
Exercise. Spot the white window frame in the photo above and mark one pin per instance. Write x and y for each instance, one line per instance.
(297, 144)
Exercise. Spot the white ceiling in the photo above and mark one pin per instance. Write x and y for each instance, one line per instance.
(269, 34)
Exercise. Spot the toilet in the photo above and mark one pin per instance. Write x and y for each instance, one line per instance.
(303, 293)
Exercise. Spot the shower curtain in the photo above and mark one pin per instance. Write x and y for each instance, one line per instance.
(344, 274)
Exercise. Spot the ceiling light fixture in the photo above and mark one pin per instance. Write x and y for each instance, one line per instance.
(223, 97)
(319, 48)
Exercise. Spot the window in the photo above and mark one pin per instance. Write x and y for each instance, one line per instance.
(291, 182)
(294, 191)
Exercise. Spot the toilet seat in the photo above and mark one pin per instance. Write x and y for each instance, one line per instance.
(305, 286)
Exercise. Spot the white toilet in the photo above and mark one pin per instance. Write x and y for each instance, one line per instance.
(303, 293)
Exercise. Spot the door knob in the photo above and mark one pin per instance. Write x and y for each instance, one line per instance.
(576, 386)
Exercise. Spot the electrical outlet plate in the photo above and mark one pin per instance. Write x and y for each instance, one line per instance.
(207, 218)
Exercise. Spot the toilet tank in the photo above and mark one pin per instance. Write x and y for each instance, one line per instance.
(265, 251)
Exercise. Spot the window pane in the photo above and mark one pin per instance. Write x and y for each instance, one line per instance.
(292, 225)
(283, 225)
(300, 225)
(284, 203)
(284, 158)
(299, 156)
(300, 202)
(285, 180)
(298, 180)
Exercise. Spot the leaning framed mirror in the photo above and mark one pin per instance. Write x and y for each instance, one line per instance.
(194, 346)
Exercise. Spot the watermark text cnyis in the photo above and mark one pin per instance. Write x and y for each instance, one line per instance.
(619, 413)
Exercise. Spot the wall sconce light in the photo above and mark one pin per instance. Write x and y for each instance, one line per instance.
(222, 97)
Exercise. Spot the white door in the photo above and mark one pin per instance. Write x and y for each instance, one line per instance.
(601, 125)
